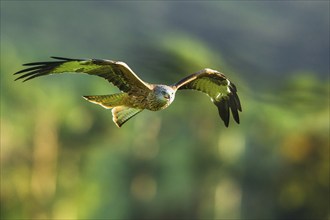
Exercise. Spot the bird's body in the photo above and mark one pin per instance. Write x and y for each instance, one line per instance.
(137, 95)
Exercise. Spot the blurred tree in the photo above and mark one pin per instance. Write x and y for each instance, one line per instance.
(63, 158)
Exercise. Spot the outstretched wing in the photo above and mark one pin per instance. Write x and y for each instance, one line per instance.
(115, 72)
(223, 93)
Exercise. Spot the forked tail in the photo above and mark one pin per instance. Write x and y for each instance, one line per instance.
(107, 101)
(116, 102)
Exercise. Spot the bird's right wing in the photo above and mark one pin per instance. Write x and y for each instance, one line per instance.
(216, 85)
(116, 72)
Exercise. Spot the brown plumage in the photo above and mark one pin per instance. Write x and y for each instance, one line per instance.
(138, 95)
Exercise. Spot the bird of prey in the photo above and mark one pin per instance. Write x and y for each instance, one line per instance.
(137, 95)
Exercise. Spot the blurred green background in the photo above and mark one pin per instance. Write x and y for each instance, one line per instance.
(63, 158)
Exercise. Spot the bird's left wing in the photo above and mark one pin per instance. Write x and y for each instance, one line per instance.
(116, 72)
(222, 92)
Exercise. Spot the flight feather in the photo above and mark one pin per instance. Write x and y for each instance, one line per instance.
(116, 72)
(222, 92)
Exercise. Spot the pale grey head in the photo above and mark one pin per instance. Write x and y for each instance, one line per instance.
(162, 97)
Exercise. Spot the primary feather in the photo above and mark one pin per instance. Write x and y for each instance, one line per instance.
(116, 72)
(222, 92)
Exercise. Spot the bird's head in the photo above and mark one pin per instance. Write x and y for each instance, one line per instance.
(164, 94)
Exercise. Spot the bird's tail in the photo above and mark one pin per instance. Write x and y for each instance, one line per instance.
(120, 112)
(107, 101)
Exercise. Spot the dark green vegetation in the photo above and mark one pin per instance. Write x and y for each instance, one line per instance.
(62, 158)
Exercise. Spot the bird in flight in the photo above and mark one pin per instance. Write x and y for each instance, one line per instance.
(137, 95)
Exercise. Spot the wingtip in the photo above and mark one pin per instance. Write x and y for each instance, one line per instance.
(223, 110)
(18, 78)
(59, 58)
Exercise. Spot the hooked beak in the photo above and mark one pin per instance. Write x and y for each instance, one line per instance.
(167, 96)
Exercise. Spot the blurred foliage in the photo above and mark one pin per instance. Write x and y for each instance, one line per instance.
(63, 158)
